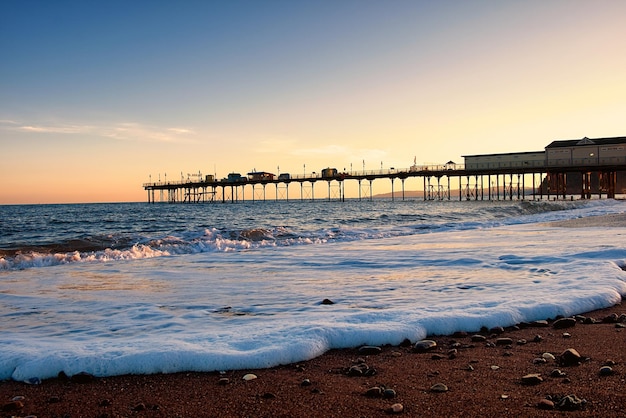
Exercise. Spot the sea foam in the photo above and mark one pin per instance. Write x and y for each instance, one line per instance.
(260, 306)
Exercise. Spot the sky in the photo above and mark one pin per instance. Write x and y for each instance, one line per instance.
(99, 97)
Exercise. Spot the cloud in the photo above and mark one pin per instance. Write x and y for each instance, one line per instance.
(130, 131)
(61, 129)
(123, 131)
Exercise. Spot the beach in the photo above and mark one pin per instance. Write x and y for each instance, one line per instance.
(482, 379)
(524, 369)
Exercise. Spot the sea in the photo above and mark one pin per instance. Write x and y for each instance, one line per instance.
(140, 288)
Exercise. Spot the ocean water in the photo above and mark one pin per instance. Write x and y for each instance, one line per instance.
(112, 289)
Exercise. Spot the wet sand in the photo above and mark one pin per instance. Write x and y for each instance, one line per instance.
(604, 221)
(483, 379)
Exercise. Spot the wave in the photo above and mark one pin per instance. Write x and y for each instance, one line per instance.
(126, 246)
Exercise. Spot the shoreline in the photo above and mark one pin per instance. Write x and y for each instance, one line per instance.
(617, 220)
(482, 378)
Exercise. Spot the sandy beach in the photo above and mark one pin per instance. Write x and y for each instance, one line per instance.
(615, 220)
(557, 367)
(460, 376)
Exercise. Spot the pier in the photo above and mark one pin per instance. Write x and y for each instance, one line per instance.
(548, 174)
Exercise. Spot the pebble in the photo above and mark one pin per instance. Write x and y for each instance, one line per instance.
(540, 323)
(424, 346)
(478, 338)
(545, 404)
(564, 323)
(570, 357)
(495, 367)
(567, 335)
(389, 393)
(439, 387)
(548, 356)
(12, 406)
(374, 392)
(369, 350)
(396, 408)
(249, 376)
(504, 341)
(306, 382)
(611, 319)
(557, 373)
(223, 381)
(327, 302)
(570, 403)
(361, 369)
(82, 377)
(532, 379)
(606, 371)
(540, 360)
(497, 330)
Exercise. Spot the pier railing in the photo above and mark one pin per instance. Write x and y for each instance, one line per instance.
(385, 172)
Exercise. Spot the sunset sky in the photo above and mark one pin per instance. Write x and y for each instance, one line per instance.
(98, 97)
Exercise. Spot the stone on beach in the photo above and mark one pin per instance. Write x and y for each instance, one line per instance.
(570, 403)
(532, 379)
(606, 371)
(570, 357)
(424, 346)
(369, 349)
(564, 323)
(545, 404)
(439, 387)
(396, 408)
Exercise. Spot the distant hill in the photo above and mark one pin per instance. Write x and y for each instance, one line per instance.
(407, 194)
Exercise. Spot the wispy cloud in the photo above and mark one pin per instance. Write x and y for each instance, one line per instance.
(123, 131)
(130, 131)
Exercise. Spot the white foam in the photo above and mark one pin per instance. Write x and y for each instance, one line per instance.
(259, 304)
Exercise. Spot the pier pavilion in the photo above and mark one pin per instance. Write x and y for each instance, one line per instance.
(593, 163)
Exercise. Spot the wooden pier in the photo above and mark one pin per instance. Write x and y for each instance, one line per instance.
(438, 183)
(594, 164)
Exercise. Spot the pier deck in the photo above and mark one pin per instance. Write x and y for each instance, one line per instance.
(439, 181)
